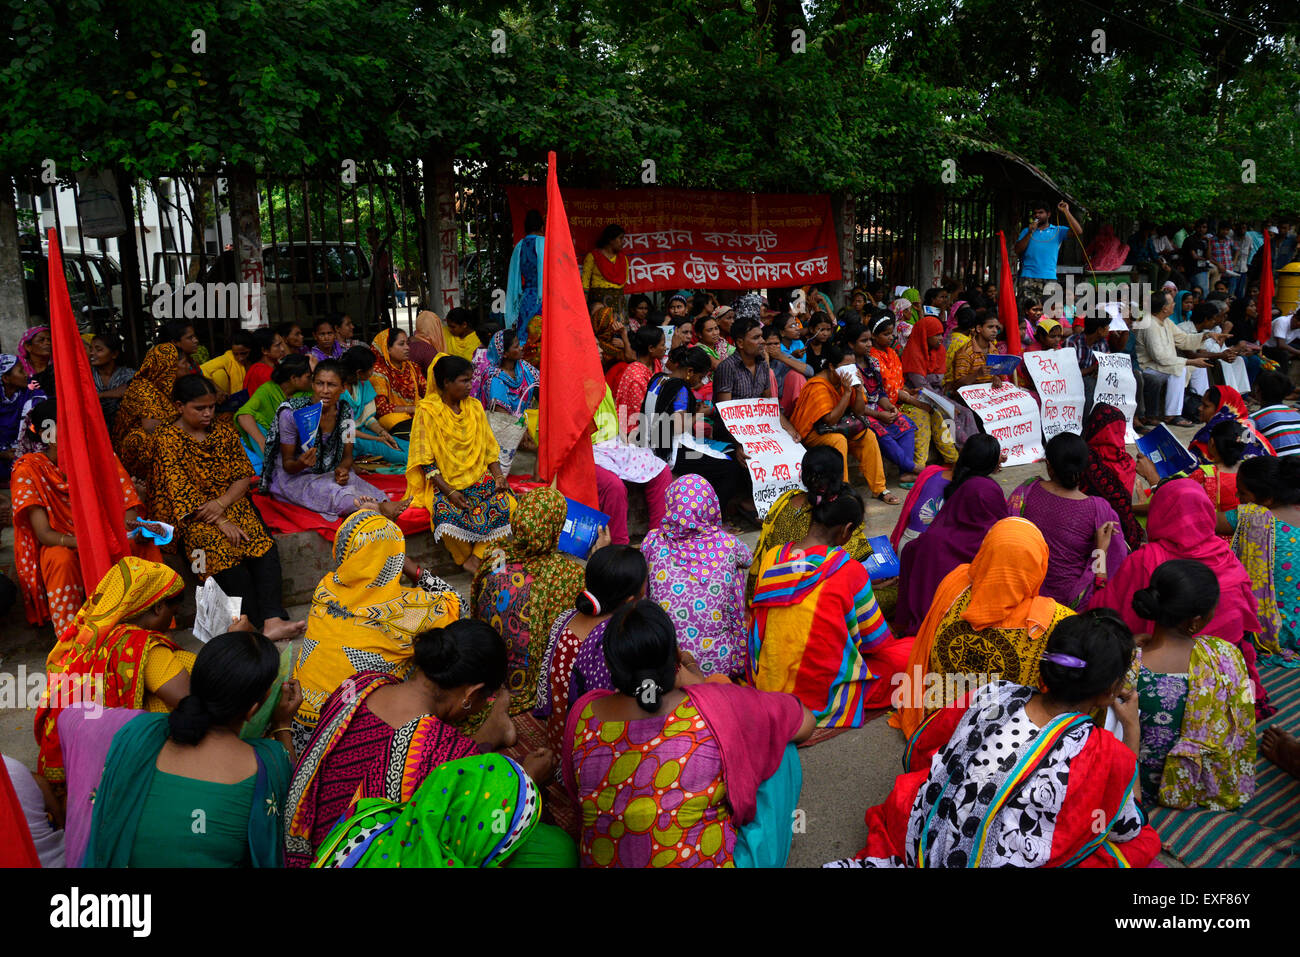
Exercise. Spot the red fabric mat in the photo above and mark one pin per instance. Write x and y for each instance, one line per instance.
(284, 517)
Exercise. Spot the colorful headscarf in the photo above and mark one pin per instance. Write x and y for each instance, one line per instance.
(692, 527)
(95, 649)
(526, 375)
(1111, 470)
(7, 362)
(1232, 408)
(1005, 576)
(23, 353)
(404, 380)
(472, 812)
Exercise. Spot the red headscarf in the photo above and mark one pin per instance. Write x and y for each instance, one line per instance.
(1111, 470)
(918, 357)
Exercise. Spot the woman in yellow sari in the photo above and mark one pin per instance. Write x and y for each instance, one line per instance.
(115, 654)
(987, 622)
(362, 618)
(227, 371)
(453, 468)
(147, 405)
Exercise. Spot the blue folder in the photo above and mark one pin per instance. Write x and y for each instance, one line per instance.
(1165, 452)
(1002, 365)
(883, 561)
(581, 526)
(307, 419)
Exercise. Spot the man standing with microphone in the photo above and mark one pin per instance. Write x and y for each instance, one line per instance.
(1038, 246)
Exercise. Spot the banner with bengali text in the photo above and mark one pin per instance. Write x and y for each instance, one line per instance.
(698, 239)
(1059, 383)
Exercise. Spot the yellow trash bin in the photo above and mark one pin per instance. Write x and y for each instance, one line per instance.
(1287, 292)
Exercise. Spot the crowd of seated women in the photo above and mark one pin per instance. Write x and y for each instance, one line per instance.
(1078, 643)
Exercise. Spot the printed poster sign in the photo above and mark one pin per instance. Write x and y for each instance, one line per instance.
(774, 459)
(1010, 415)
(1117, 386)
(1059, 382)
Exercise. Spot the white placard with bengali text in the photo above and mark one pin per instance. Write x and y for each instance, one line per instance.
(774, 459)
(1059, 383)
(1010, 415)
(1117, 386)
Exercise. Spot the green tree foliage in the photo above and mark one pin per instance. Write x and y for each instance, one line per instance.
(775, 95)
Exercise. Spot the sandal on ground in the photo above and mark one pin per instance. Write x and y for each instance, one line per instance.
(888, 497)
(1180, 423)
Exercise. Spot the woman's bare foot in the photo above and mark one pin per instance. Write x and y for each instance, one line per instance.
(390, 510)
(472, 564)
(1282, 748)
(366, 502)
(281, 629)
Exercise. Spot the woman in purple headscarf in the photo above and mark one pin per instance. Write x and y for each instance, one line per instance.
(971, 507)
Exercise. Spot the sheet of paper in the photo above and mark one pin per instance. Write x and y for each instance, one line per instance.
(215, 610)
(940, 402)
(1117, 386)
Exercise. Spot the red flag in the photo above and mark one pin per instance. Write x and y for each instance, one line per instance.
(573, 383)
(1008, 309)
(85, 454)
(1264, 304)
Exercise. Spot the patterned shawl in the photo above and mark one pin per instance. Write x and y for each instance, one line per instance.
(392, 382)
(362, 618)
(452, 825)
(691, 529)
(98, 655)
(329, 447)
(523, 588)
(1111, 470)
(526, 375)
(405, 760)
(1232, 408)
(149, 396)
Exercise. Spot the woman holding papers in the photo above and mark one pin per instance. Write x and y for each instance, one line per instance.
(829, 412)
(200, 483)
(927, 419)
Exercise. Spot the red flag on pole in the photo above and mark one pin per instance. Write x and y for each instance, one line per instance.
(573, 383)
(1008, 310)
(85, 454)
(1264, 304)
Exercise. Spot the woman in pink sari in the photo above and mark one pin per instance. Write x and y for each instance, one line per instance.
(1181, 526)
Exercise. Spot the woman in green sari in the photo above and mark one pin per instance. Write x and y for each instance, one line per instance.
(162, 767)
(478, 811)
(291, 376)
(372, 438)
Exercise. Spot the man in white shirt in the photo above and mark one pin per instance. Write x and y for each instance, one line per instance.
(1159, 342)
(1282, 347)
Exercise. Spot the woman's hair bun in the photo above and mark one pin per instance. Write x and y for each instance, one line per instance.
(189, 721)
(1146, 603)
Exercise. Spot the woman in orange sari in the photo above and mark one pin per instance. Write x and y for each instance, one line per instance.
(147, 405)
(987, 621)
(114, 654)
(45, 540)
(398, 382)
(908, 400)
(829, 413)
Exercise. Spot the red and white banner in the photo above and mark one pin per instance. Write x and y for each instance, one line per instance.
(1010, 415)
(695, 239)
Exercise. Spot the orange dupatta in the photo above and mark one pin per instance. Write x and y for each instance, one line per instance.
(1003, 580)
(817, 398)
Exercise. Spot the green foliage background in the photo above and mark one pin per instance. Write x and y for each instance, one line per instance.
(1155, 122)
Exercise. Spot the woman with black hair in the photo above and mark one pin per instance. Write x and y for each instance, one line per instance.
(200, 484)
(575, 659)
(228, 370)
(314, 469)
(1082, 531)
(1266, 538)
(268, 349)
(980, 456)
(629, 399)
(291, 379)
(668, 769)
(818, 632)
(109, 373)
(454, 468)
(371, 437)
(1194, 696)
(380, 736)
(161, 768)
(604, 269)
(831, 410)
(1014, 776)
